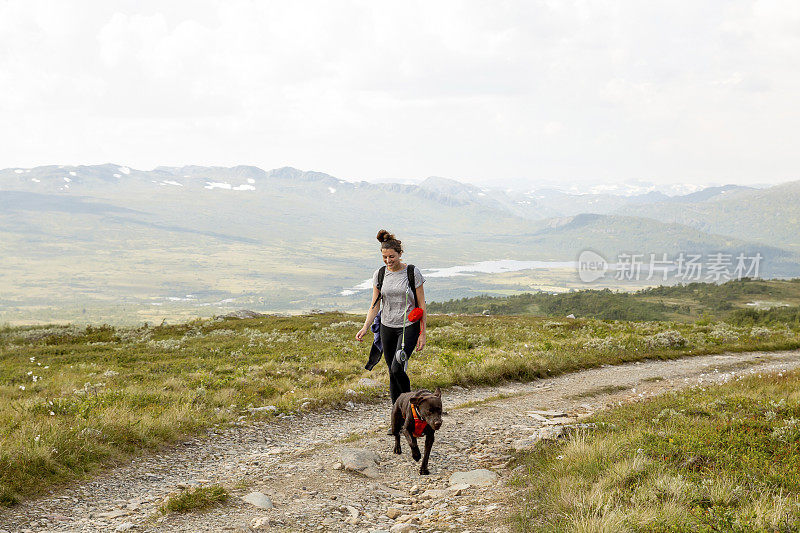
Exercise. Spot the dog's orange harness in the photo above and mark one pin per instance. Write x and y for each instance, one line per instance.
(419, 424)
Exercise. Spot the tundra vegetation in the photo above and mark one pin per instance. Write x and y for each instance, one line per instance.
(719, 458)
(73, 399)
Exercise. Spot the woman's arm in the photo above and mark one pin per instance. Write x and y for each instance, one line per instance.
(371, 313)
(424, 320)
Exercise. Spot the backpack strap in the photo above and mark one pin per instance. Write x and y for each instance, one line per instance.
(412, 284)
(379, 284)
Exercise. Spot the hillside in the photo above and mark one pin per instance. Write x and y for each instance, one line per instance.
(113, 244)
(747, 301)
(770, 215)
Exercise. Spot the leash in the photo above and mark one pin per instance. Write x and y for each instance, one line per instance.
(402, 353)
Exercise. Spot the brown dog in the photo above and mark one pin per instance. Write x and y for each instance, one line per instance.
(415, 414)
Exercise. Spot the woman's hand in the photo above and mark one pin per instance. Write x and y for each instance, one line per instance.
(361, 333)
(421, 341)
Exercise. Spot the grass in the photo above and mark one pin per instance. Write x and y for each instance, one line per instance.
(194, 499)
(724, 458)
(75, 399)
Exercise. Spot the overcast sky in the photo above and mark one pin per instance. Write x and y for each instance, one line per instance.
(488, 92)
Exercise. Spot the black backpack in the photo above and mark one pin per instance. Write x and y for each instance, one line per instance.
(411, 283)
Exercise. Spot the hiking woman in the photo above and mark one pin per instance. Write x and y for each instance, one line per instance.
(395, 300)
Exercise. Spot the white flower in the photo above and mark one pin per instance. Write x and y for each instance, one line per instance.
(35, 379)
(22, 387)
(38, 364)
(33, 359)
(31, 372)
(52, 413)
(36, 438)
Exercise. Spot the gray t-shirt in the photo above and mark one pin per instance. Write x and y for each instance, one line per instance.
(394, 290)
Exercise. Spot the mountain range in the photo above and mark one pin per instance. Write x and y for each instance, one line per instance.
(108, 242)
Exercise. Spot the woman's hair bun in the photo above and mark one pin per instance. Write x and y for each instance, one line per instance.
(385, 236)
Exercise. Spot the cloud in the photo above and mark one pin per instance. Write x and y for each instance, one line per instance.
(372, 89)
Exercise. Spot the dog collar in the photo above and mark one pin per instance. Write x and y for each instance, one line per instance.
(419, 423)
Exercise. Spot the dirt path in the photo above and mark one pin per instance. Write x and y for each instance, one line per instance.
(295, 461)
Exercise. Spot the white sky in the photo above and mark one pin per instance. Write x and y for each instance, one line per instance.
(488, 92)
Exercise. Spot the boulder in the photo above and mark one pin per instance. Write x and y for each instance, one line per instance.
(259, 500)
(361, 461)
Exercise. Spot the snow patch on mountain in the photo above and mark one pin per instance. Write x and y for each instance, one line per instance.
(217, 185)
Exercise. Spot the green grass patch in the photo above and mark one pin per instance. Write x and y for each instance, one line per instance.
(194, 499)
(725, 458)
(75, 399)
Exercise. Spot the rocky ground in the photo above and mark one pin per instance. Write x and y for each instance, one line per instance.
(334, 470)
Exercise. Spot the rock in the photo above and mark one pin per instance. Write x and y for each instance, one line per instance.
(260, 523)
(538, 418)
(403, 528)
(369, 383)
(393, 513)
(549, 414)
(480, 477)
(353, 512)
(242, 314)
(262, 409)
(414, 490)
(390, 491)
(125, 526)
(570, 315)
(434, 494)
(259, 499)
(361, 461)
(526, 444)
(549, 433)
(458, 488)
(338, 465)
(114, 514)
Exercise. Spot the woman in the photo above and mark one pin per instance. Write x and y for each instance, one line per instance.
(396, 300)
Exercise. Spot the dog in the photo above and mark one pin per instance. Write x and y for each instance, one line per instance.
(415, 414)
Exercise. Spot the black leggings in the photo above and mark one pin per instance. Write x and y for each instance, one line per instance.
(390, 340)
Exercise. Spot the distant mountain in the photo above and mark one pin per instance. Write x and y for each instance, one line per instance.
(770, 216)
(116, 241)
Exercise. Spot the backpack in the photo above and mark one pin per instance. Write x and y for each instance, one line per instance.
(411, 283)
